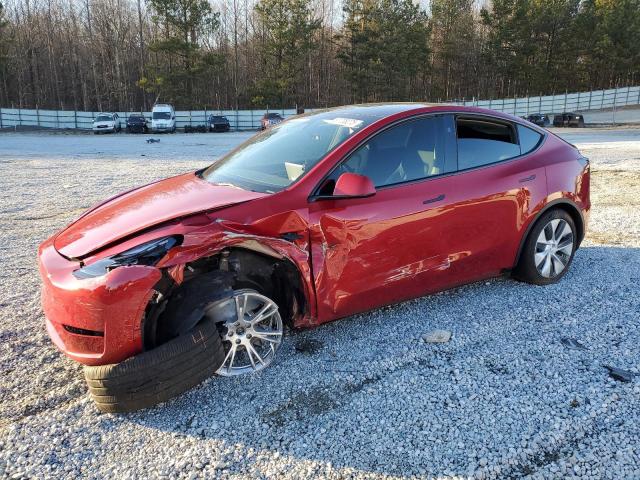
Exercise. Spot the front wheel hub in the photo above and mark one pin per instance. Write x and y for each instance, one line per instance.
(252, 331)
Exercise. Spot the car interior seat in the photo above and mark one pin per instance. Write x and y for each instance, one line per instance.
(421, 158)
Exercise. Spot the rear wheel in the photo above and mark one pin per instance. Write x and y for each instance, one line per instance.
(548, 250)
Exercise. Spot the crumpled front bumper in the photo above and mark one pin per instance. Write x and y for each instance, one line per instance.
(94, 321)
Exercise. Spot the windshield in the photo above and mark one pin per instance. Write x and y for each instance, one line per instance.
(161, 116)
(104, 118)
(273, 160)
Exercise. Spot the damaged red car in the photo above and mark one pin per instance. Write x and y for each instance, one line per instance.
(324, 216)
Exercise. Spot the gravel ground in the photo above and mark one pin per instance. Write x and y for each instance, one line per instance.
(362, 397)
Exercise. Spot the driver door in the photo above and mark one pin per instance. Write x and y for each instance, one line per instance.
(368, 252)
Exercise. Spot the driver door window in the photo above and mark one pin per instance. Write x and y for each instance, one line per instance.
(410, 151)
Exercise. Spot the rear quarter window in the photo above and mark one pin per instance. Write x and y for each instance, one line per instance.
(529, 139)
(483, 141)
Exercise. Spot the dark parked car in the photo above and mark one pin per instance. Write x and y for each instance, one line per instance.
(218, 123)
(269, 120)
(137, 124)
(568, 120)
(539, 119)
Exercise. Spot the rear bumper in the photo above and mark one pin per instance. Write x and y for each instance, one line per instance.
(94, 321)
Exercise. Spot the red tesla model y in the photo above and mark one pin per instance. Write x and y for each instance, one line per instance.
(323, 216)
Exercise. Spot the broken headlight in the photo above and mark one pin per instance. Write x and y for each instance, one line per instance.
(148, 253)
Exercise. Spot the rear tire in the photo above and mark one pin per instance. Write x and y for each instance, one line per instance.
(548, 250)
(157, 375)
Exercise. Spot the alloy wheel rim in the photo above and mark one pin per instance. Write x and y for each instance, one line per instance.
(252, 335)
(554, 247)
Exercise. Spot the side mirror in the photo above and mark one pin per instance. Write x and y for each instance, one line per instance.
(352, 185)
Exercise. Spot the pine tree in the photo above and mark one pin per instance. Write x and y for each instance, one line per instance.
(455, 44)
(181, 63)
(509, 46)
(288, 36)
(384, 48)
(609, 44)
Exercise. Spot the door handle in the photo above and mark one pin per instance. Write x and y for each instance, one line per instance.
(528, 179)
(435, 199)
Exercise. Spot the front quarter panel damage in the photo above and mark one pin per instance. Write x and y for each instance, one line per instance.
(263, 237)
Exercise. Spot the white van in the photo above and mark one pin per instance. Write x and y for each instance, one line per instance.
(163, 118)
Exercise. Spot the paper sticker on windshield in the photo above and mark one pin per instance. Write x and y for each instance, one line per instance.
(345, 122)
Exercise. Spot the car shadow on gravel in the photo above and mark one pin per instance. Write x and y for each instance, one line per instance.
(365, 395)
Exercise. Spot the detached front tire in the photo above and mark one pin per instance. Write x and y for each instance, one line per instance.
(157, 375)
(548, 250)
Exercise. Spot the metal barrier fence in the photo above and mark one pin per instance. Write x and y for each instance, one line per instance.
(567, 102)
(238, 119)
(250, 119)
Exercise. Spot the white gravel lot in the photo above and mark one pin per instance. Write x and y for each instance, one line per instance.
(503, 399)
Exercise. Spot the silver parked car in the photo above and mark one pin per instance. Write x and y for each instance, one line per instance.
(107, 122)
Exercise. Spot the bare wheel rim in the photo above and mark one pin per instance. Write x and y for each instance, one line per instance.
(252, 333)
(554, 247)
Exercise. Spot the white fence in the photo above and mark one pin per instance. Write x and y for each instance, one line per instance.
(567, 102)
(250, 119)
(238, 119)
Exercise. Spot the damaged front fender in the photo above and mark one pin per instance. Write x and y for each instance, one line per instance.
(264, 237)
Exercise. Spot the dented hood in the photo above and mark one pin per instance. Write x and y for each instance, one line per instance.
(145, 207)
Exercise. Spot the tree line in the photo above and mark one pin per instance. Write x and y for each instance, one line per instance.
(227, 54)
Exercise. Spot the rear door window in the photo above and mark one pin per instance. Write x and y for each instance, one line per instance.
(484, 141)
(529, 139)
